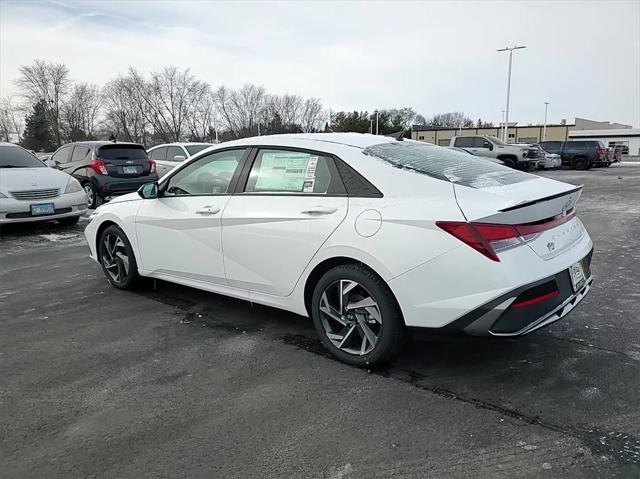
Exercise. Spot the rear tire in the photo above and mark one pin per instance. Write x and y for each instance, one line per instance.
(367, 327)
(69, 221)
(93, 200)
(580, 163)
(117, 259)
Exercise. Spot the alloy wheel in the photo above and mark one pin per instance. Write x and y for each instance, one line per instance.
(89, 191)
(351, 317)
(115, 259)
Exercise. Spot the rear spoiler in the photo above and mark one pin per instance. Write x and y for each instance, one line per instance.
(540, 200)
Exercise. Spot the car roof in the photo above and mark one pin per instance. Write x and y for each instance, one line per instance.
(302, 140)
(102, 143)
(4, 143)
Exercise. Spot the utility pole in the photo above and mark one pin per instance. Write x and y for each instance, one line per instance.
(502, 125)
(377, 121)
(506, 121)
(371, 126)
(544, 129)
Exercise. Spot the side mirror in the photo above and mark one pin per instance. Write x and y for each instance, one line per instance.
(488, 144)
(148, 191)
(179, 158)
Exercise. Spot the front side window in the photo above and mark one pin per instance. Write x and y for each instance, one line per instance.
(174, 151)
(17, 157)
(80, 153)
(481, 142)
(193, 149)
(465, 142)
(63, 155)
(280, 171)
(210, 175)
(446, 164)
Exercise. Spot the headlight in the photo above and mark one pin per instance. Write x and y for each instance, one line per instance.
(73, 186)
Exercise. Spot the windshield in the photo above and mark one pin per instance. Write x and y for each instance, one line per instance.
(496, 140)
(193, 149)
(446, 164)
(17, 157)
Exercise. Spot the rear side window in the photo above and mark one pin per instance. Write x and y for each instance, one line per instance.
(80, 153)
(122, 152)
(446, 164)
(174, 151)
(159, 153)
(279, 171)
(576, 145)
(63, 155)
(465, 142)
(193, 149)
(551, 146)
(17, 157)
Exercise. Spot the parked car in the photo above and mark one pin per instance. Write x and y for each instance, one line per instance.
(523, 157)
(547, 160)
(462, 150)
(105, 169)
(169, 155)
(29, 191)
(368, 235)
(580, 155)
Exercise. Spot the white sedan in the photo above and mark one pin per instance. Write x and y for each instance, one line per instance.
(168, 156)
(369, 236)
(31, 191)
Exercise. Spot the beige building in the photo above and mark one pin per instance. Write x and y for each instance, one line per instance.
(515, 133)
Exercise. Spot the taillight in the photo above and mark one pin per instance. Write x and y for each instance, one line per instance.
(600, 153)
(99, 166)
(488, 238)
(153, 166)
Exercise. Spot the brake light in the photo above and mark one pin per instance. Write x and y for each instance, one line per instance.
(488, 238)
(153, 166)
(600, 153)
(537, 299)
(99, 166)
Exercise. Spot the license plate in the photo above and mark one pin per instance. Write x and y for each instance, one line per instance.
(130, 170)
(576, 271)
(42, 209)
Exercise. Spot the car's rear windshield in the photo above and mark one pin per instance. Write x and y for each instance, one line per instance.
(122, 152)
(193, 149)
(445, 164)
(16, 157)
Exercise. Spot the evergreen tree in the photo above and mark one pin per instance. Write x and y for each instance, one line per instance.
(37, 133)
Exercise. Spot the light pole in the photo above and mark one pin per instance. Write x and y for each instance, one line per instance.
(544, 128)
(377, 120)
(502, 125)
(506, 120)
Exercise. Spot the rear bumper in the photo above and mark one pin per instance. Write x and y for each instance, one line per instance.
(111, 186)
(498, 318)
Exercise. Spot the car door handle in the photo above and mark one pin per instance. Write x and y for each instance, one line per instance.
(208, 210)
(320, 210)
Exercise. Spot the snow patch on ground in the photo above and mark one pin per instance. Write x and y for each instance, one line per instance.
(54, 237)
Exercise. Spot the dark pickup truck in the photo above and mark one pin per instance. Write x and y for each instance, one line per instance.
(580, 155)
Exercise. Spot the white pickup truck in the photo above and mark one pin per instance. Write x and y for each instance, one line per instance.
(520, 156)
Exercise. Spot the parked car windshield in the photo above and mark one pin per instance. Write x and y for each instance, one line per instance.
(446, 164)
(122, 152)
(16, 157)
(193, 149)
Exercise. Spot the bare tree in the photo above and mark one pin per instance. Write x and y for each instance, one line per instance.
(240, 109)
(80, 112)
(122, 109)
(49, 82)
(452, 119)
(11, 120)
(312, 116)
(202, 119)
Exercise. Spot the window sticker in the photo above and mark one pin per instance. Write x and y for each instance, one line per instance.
(310, 175)
(284, 171)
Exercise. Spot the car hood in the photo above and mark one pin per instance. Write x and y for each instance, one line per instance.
(24, 179)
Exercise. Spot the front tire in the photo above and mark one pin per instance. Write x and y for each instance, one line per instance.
(356, 316)
(117, 259)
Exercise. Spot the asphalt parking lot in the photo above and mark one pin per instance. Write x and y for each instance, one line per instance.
(173, 382)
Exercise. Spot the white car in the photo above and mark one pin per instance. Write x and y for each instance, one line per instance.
(169, 155)
(368, 235)
(31, 191)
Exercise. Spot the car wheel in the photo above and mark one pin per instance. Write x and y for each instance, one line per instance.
(117, 258)
(356, 316)
(607, 165)
(92, 195)
(509, 162)
(580, 163)
(69, 221)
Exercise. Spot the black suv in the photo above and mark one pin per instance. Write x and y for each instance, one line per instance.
(580, 155)
(104, 168)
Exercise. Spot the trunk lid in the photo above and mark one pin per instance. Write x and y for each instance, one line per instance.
(534, 201)
(125, 160)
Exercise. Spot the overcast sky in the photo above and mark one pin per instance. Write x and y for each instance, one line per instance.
(582, 56)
